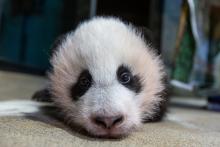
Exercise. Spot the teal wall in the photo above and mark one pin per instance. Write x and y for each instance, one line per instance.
(26, 35)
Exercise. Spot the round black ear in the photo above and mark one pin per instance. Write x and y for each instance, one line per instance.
(148, 36)
(58, 42)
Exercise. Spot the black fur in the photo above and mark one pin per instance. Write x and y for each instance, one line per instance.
(58, 42)
(83, 84)
(149, 38)
(42, 95)
(134, 84)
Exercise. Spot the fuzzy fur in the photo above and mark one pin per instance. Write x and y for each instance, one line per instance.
(101, 45)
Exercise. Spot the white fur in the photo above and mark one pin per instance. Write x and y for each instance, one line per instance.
(101, 45)
(19, 107)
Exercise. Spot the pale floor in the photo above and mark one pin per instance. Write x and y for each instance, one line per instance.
(182, 127)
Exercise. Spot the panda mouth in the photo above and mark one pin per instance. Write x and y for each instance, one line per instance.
(110, 134)
(101, 134)
(113, 133)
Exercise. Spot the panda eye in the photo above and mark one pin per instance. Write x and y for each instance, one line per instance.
(125, 77)
(82, 85)
(85, 82)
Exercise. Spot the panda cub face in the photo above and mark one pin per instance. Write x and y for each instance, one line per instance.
(105, 78)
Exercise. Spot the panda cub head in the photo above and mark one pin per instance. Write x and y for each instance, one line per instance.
(106, 78)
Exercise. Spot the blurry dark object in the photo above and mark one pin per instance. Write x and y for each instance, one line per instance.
(26, 7)
(214, 48)
(213, 74)
(73, 12)
(140, 13)
(8, 66)
(171, 19)
(185, 48)
(214, 103)
(27, 30)
(192, 47)
(29, 27)
(216, 84)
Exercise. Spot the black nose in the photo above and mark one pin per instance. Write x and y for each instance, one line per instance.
(108, 122)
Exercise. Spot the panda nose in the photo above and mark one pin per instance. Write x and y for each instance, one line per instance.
(108, 122)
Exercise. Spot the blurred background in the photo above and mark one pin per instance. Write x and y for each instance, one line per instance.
(186, 34)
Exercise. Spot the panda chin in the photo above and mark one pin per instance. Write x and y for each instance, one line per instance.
(110, 134)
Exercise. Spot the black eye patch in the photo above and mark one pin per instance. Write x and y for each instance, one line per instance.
(83, 84)
(126, 78)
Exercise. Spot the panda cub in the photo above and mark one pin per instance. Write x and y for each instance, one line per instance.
(106, 78)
